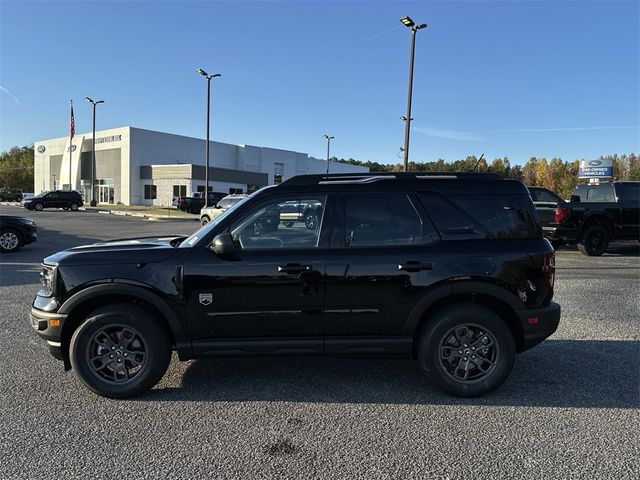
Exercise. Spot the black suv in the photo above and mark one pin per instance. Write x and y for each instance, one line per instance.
(450, 269)
(65, 199)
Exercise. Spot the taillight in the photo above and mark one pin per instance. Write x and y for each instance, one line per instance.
(562, 213)
(549, 269)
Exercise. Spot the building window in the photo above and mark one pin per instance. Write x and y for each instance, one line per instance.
(150, 192)
(253, 188)
(278, 173)
(235, 190)
(179, 190)
(200, 188)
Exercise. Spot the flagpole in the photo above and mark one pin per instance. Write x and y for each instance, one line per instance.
(70, 144)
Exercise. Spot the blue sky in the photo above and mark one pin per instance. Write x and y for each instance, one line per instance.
(503, 78)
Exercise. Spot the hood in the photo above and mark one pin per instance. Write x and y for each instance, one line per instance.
(126, 250)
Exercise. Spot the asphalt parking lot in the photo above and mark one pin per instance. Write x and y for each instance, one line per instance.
(570, 408)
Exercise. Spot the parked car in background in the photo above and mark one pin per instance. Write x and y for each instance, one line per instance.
(211, 213)
(598, 214)
(65, 199)
(16, 232)
(546, 203)
(10, 195)
(195, 203)
(448, 269)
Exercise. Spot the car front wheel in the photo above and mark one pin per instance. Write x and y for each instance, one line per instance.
(204, 220)
(9, 240)
(467, 350)
(120, 351)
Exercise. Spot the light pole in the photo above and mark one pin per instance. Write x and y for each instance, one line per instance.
(328, 145)
(407, 22)
(93, 147)
(206, 147)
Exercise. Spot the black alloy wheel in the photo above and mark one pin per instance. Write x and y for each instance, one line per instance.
(10, 240)
(120, 351)
(466, 349)
(594, 241)
(310, 221)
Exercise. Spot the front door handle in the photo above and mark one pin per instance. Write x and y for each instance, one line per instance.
(415, 266)
(294, 268)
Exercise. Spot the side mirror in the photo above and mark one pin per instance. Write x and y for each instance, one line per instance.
(575, 198)
(222, 245)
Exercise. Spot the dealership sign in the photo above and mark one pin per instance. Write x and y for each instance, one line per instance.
(595, 168)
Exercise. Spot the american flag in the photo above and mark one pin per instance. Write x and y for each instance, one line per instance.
(72, 124)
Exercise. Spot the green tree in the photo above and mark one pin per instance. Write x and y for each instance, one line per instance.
(16, 168)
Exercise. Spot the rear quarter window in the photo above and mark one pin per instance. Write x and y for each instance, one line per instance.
(462, 217)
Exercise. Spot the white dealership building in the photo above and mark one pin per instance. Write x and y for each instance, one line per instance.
(134, 166)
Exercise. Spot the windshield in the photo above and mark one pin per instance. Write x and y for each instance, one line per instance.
(228, 202)
(202, 232)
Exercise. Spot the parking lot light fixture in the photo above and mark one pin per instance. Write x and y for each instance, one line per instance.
(206, 147)
(328, 146)
(93, 148)
(408, 22)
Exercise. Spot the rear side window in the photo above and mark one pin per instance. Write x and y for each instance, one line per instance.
(462, 217)
(386, 219)
(600, 193)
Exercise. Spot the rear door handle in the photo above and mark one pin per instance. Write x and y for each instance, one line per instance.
(415, 266)
(294, 268)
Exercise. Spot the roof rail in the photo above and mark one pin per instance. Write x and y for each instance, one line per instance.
(334, 178)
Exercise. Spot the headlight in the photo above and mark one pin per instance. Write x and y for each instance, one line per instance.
(47, 281)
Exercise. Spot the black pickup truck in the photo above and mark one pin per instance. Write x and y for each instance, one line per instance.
(194, 204)
(596, 214)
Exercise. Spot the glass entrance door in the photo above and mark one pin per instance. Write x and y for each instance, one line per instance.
(105, 194)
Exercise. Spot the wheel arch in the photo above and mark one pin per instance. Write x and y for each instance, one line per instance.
(81, 304)
(601, 219)
(484, 294)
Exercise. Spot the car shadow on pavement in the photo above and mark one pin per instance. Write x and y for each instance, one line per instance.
(557, 373)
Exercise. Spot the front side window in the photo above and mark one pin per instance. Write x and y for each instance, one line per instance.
(388, 219)
(283, 222)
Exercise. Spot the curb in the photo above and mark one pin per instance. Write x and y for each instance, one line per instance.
(150, 217)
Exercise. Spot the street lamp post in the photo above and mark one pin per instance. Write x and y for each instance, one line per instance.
(407, 22)
(328, 145)
(93, 148)
(206, 147)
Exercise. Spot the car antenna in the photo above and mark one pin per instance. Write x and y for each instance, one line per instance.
(478, 163)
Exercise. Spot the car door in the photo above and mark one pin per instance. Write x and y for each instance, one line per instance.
(51, 200)
(385, 257)
(268, 296)
(630, 210)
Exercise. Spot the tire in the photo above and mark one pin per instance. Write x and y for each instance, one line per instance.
(19, 199)
(10, 240)
(288, 224)
(38, 206)
(310, 221)
(204, 220)
(258, 228)
(101, 333)
(594, 241)
(73, 206)
(65, 208)
(477, 369)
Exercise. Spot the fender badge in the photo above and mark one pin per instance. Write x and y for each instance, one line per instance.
(206, 298)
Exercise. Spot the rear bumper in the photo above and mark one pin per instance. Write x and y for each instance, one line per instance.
(539, 324)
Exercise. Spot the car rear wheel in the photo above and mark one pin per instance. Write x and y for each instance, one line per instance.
(467, 350)
(73, 206)
(38, 206)
(120, 351)
(204, 220)
(10, 240)
(594, 241)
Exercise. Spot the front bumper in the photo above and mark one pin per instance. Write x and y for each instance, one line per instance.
(538, 324)
(45, 325)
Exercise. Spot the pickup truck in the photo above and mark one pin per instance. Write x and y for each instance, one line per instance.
(195, 203)
(596, 215)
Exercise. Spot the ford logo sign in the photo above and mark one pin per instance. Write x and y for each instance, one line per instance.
(595, 163)
(41, 148)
